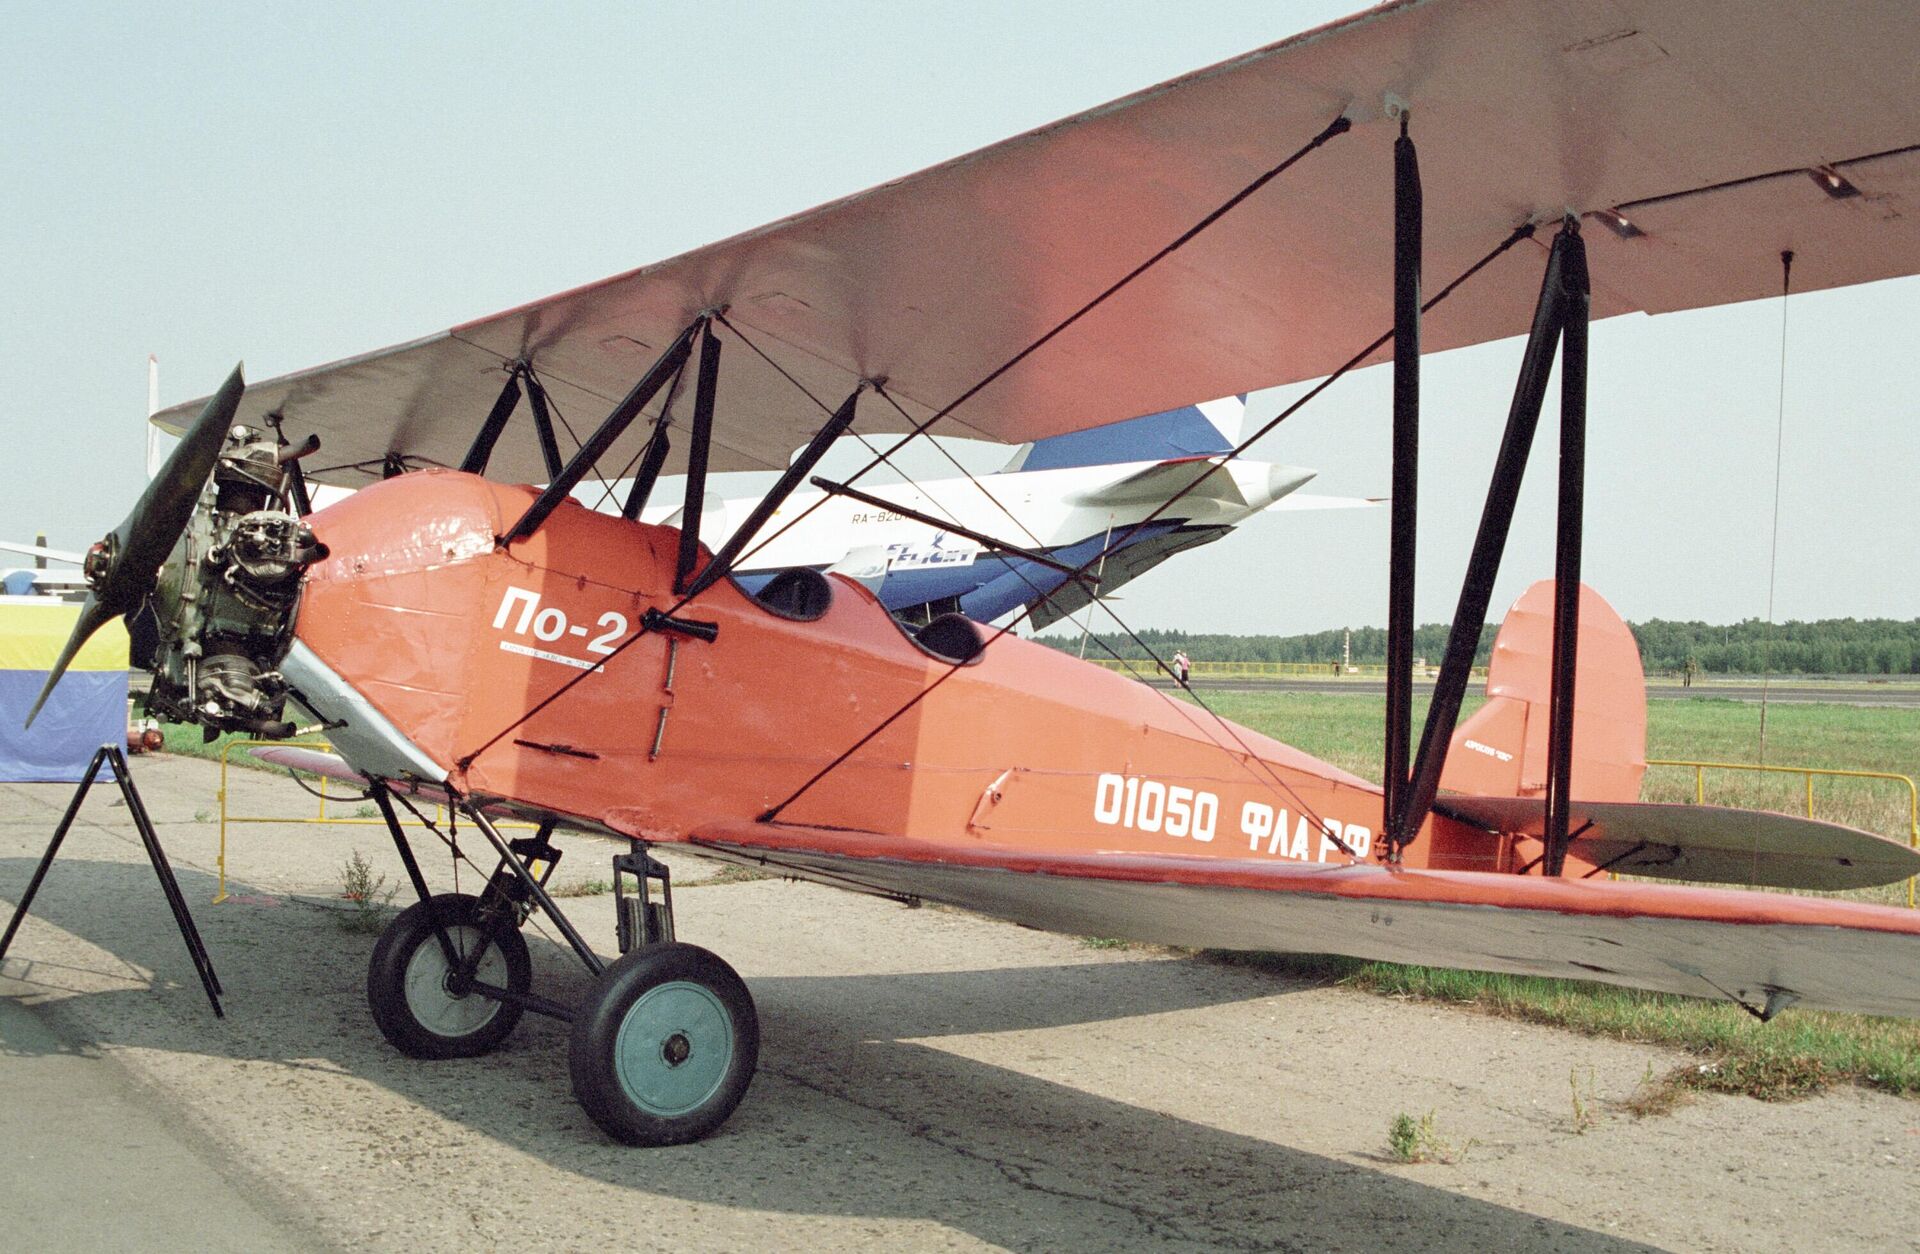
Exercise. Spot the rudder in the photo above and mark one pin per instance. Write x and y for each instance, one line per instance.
(1501, 751)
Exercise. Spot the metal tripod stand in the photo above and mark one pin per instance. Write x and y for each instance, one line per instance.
(113, 756)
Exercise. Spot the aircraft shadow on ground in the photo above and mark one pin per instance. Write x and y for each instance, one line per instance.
(849, 1115)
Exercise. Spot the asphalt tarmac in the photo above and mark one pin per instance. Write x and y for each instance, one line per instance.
(95, 1162)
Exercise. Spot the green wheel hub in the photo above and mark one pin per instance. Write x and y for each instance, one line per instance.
(674, 1048)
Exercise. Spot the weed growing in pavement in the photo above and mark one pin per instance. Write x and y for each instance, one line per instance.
(1656, 1095)
(1411, 1140)
(366, 894)
(1586, 1110)
(727, 873)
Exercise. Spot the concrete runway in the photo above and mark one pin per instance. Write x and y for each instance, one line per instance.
(928, 1080)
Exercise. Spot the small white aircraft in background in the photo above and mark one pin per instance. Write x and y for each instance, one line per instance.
(1063, 499)
(38, 580)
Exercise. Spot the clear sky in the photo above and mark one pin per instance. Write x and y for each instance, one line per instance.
(290, 185)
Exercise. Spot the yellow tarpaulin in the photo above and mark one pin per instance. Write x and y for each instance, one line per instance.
(34, 629)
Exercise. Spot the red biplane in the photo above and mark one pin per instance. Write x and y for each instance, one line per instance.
(1252, 224)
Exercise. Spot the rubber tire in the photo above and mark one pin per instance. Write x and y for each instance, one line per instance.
(594, 1057)
(412, 935)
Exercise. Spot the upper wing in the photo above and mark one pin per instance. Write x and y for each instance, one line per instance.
(1697, 122)
(1704, 942)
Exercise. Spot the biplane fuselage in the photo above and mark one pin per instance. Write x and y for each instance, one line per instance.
(460, 644)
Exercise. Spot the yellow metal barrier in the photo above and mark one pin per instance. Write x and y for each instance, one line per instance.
(321, 814)
(1700, 770)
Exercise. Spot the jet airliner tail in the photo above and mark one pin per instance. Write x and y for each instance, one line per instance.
(1190, 431)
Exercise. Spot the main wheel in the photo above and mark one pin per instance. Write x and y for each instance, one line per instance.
(664, 1046)
(417, 998)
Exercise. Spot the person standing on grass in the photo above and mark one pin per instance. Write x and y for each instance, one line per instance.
(1182, 666)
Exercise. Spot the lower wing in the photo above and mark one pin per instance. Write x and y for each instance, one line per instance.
(1764, 950)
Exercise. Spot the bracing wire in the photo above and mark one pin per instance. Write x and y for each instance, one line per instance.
(1779, 447)
(1223, 725)
(1339, 126)
(1524, 231)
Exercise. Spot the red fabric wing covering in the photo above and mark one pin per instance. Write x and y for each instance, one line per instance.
(1703, 942)
(1501, 751)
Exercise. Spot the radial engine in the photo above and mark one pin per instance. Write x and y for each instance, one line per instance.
(228, 594)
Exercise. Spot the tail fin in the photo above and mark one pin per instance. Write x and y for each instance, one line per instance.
(1502, 750)
(1190, 431)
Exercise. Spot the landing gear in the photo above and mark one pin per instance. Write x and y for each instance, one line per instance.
(430, 1005)
(665, 1045)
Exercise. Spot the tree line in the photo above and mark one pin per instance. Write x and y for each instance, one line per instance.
(1830, 646)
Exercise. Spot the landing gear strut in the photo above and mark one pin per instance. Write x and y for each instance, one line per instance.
(665, 1043)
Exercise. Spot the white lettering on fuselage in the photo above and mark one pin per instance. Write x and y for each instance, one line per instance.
(550, 624)
(1287, 837)
(1158, 808)
(1147, 805)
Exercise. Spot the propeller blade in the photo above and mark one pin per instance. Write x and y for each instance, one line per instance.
(93, 616)
(149, 533)
(143, 541)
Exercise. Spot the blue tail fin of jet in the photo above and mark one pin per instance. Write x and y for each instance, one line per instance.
(1190, 431)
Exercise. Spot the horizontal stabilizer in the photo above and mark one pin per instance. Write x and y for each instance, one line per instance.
(1705, 844)
(1704, 942)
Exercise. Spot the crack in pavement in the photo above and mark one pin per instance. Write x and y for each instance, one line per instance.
(1157, 1223)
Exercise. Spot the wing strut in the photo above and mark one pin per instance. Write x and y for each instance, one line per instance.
(706, 382)
(543, 426)
(480, 452)
(654, 456)
(299, 500)
(1576, 305)
(720, 563)
(568, 477)
(1407, 209)
(1563, 304)
(658, 446)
